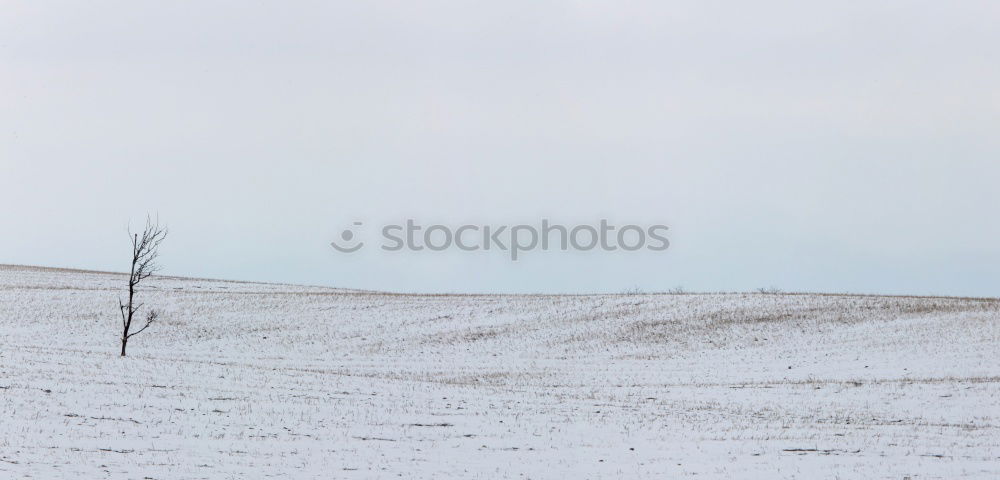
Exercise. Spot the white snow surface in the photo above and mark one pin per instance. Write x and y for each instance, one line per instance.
(251, 380)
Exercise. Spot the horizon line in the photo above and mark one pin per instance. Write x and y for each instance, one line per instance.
(356, 291)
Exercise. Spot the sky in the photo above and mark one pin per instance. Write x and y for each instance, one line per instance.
(808, 146)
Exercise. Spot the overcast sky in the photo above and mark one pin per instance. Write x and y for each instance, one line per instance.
(812, 146)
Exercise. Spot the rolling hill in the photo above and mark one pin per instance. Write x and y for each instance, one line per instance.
(255, 380)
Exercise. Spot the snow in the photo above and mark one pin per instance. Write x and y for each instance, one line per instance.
(251, 380)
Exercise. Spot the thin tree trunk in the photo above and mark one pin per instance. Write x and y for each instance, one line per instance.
(131, 291)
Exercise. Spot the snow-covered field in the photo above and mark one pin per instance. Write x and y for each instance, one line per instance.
(249, 380)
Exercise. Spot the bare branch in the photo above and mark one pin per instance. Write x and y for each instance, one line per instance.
(150, 319)
(121, 309)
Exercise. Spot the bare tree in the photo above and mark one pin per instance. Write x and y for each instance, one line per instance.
(145, 249)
